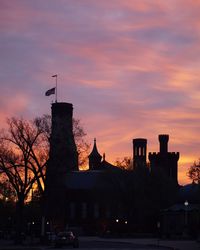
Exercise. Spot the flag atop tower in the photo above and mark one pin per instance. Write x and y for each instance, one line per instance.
(50, 92)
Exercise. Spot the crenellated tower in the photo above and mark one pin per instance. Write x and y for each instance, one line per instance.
(139, 153)
(164, 161)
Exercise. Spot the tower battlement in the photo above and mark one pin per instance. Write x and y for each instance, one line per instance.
(173, 154)
(167, 161)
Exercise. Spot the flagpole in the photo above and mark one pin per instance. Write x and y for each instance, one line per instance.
(56, 92)
(56, 87)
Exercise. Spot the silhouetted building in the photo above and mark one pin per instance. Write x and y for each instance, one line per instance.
(106, 197)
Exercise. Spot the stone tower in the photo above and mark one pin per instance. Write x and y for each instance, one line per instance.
(94, 158)
(164, 161)
(63, 158)
(139, 153)
(62, 143)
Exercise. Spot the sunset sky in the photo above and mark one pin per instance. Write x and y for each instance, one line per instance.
(131, 68)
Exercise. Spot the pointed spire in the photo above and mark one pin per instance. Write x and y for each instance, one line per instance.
(94, 157)
(95, 144)
(95, 152)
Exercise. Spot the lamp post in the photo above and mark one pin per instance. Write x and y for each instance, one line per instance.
(185, 231)
(186, 203)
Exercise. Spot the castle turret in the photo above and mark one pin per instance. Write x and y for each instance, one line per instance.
(139, 152)
(94, 158)
(63, 158)
(165, 162)
(62, 143)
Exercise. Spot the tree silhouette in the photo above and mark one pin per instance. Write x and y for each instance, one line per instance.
(22, 161)
(82, 145)
(194, 172)
(24, 152)
(124, 163)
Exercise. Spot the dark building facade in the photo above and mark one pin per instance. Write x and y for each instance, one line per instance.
(164, 161)
(106, 198)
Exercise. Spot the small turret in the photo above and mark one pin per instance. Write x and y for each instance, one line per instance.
(94, 158)
(163, 139)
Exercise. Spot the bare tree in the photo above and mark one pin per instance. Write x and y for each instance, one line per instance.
(124, 163)
(194, 172)
(22, 161)
(82, 145)
(26, 144)
(24, 151)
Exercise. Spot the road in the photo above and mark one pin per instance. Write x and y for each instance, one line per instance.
(112, 245)
(97, 243)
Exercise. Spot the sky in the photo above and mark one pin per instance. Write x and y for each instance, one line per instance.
(130, 68)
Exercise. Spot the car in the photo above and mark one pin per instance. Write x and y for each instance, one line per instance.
(66, 238)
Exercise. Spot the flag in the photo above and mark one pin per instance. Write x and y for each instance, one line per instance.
(50, 92)
(54, 76)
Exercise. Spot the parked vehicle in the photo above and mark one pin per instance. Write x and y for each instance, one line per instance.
(66, 238)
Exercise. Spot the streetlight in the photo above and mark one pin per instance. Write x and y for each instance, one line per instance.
(158, 229)
(185, 231)
(186, 203)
